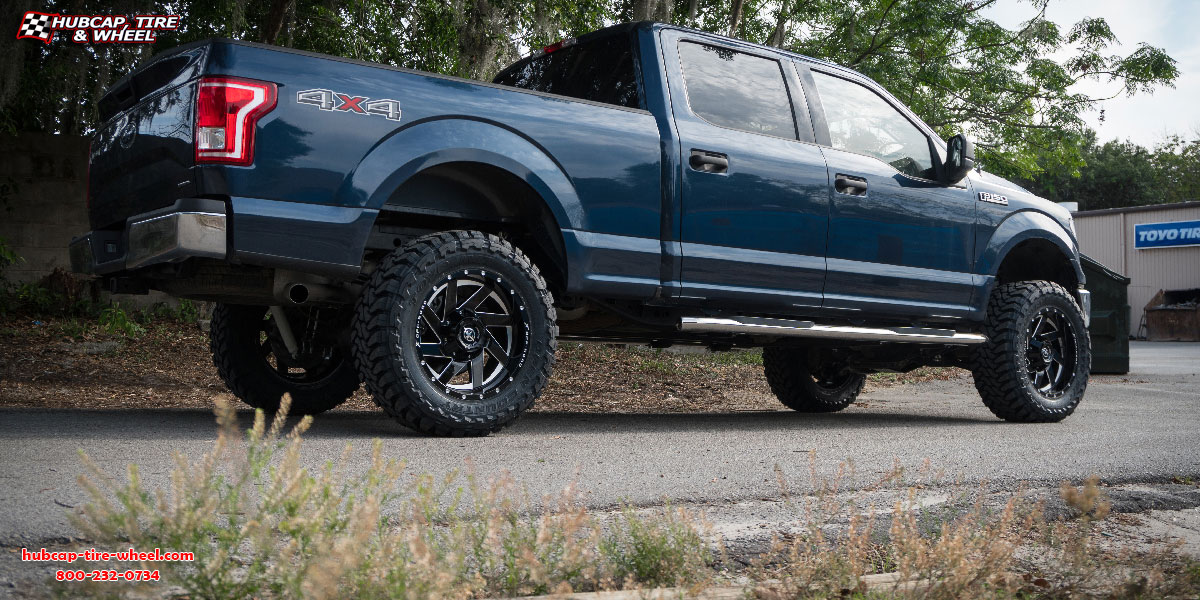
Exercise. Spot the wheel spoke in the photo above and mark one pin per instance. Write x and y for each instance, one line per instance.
(1037, 326)
(430, 350)
(477, 372)
(495, 319)
(497, 352)
(478, 297)
(265, 348)
(1049, 336)
(451, 371)
(451, 298)
(280, 367)
(432, 321)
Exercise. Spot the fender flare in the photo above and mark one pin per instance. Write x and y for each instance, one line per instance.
(1022, 226)
(423, 144)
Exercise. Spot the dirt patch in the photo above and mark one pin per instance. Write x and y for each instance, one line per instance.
(68, 363)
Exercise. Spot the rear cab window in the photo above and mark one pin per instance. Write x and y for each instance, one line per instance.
(599, 70)
(733, 89)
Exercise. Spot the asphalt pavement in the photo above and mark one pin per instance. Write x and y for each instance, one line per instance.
(1140, 427)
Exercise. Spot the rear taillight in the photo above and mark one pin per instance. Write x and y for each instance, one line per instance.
(227, 110)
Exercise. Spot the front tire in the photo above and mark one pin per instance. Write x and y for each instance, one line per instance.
(810, 386)
(1034, 366)
(254, 363)
(455, 334)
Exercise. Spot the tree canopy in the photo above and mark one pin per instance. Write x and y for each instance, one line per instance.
(1009, 89)
(1116, 174)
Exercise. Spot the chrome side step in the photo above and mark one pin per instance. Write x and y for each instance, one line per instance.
(788, 328)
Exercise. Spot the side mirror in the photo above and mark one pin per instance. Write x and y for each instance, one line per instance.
(960, 159)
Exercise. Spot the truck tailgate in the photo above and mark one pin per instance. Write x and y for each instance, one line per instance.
(142, 155)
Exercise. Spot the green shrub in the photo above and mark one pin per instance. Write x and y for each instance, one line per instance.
(8, 256)
(72, 328)
(667, 550)
(116, 321)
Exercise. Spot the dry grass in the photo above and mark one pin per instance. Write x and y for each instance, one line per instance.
(261, 525)
(964, 548)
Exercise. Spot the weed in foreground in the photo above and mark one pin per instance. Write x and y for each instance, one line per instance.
(964, 547)
(261, 525)
(664, 552)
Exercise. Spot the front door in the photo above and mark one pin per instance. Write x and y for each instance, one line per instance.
(755, 205)
(900, 242)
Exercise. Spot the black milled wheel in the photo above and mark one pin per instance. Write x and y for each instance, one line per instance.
(1034, 366)
(455, 334)
(807, 385)
(252, 359)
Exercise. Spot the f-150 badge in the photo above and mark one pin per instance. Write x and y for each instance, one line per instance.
(337, 101)
(993, 198)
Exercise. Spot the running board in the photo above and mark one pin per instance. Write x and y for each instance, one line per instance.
(808, 329)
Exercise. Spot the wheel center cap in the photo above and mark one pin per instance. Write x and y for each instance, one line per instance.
(1046, 354)
(470, 335)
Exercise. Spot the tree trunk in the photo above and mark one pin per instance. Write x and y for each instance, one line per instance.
(275, 18)
(479, 38)
(12, 54)
(693, 5)
(663, 12)
(735, 17)
(642, 9)
(779, 34)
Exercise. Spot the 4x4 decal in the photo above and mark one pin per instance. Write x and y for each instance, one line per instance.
(337, 101)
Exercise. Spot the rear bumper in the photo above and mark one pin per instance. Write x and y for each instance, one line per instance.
(191, 228)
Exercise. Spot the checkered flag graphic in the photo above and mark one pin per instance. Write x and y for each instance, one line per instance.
(36, 25)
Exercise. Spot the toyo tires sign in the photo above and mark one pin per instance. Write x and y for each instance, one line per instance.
(1166, 235)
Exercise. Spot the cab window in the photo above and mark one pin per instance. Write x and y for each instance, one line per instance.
(863, 122)
(736, 90)
(599, 70)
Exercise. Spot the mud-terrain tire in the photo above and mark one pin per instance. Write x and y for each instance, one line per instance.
(798, 388)
(1034, 366)
(252, 361)
(415, 340)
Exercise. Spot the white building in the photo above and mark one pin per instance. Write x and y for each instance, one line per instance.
(1157, 247)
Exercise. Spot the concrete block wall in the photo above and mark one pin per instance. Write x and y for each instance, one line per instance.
(43, 179)
(42, 205)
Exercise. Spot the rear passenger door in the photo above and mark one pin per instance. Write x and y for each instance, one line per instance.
(900, 241)
(754, 194)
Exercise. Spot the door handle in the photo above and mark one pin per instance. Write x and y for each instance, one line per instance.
(848, 184)
(708, 162)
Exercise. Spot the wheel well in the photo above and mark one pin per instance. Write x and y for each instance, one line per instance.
(466, 195)
(1038, 260)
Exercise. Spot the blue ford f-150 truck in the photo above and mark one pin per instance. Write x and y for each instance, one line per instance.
(433, 237)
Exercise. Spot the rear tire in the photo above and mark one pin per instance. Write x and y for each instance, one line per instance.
(252, 361)
(1034, 366)
(455, 334)
(806, 387)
